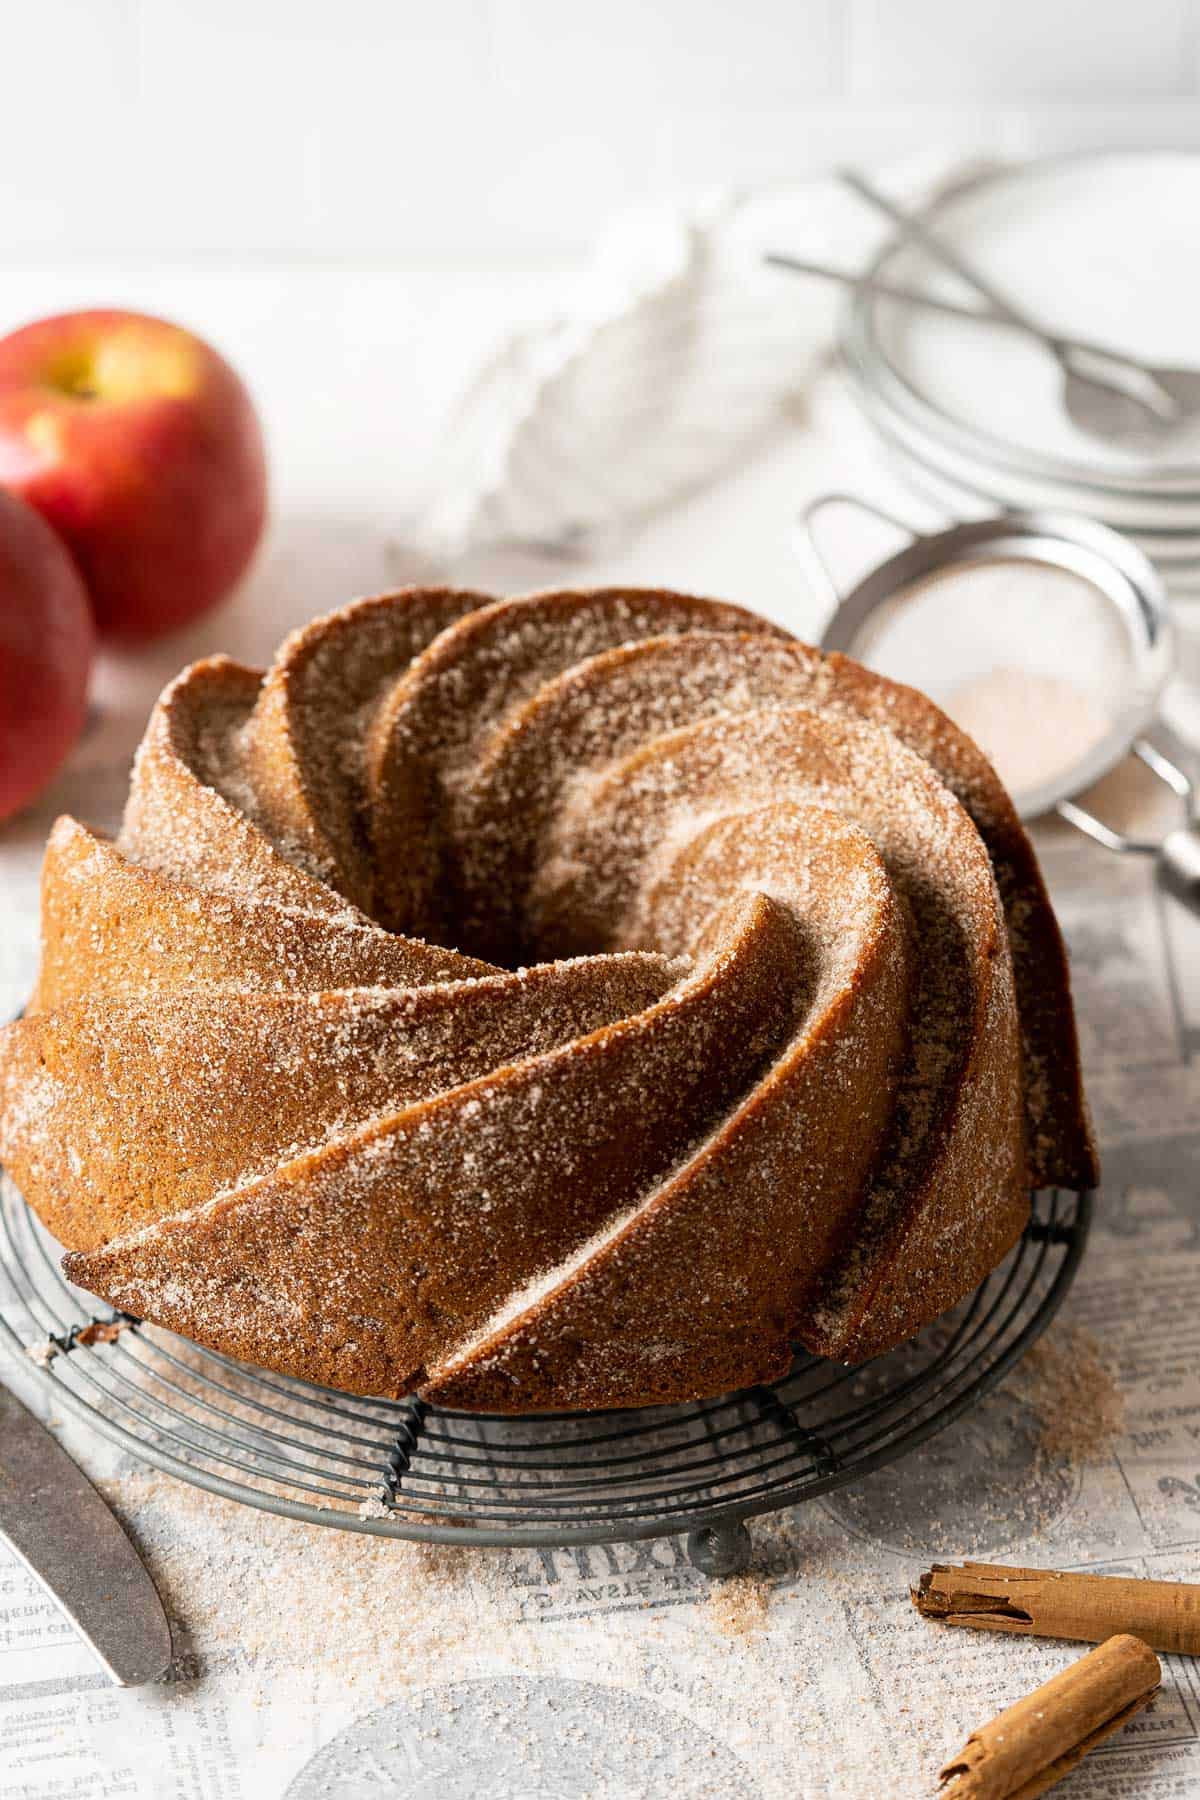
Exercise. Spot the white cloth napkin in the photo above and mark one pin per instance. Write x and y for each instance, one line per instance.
(681, 349)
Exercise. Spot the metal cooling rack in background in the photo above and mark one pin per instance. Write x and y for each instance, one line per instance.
(405, 1469)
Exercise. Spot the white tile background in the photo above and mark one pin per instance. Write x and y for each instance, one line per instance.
(451, 130)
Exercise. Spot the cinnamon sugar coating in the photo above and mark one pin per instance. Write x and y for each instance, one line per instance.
(572, 1001)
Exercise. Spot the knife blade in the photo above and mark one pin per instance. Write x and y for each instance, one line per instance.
(70, 1540)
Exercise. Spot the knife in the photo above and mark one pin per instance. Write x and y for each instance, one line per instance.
(70, 1540)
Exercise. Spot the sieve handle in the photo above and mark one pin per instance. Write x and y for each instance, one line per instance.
(1179, 864)
(1177, 855)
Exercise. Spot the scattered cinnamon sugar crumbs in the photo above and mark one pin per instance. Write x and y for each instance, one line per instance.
(1072, 1387)
(103, 1331)
(738, 1605)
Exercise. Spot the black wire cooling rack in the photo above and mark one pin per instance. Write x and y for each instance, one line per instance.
(405, 1469)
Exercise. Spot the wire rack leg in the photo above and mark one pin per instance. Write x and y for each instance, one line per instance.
(720, 1549)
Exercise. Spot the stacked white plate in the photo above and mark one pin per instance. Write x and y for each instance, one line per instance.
(1100, 246)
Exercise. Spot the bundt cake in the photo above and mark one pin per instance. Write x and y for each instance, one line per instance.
(562, 1002)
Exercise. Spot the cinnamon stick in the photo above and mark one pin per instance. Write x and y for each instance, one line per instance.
(1029, 1747)
(1061, 1604)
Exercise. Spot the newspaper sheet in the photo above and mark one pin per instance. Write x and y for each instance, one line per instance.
(315, 1662)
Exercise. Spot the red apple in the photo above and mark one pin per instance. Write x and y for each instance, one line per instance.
(141, 447)
(46, 644)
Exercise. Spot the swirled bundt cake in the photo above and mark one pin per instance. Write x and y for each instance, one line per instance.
(570, 1001)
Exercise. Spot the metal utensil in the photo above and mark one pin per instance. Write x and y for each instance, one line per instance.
(1108, 393)
(69, 1539)
(1125, 583)
(887, 290)
(979, 315)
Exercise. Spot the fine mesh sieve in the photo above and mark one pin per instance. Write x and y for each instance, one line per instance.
(1046, 636)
